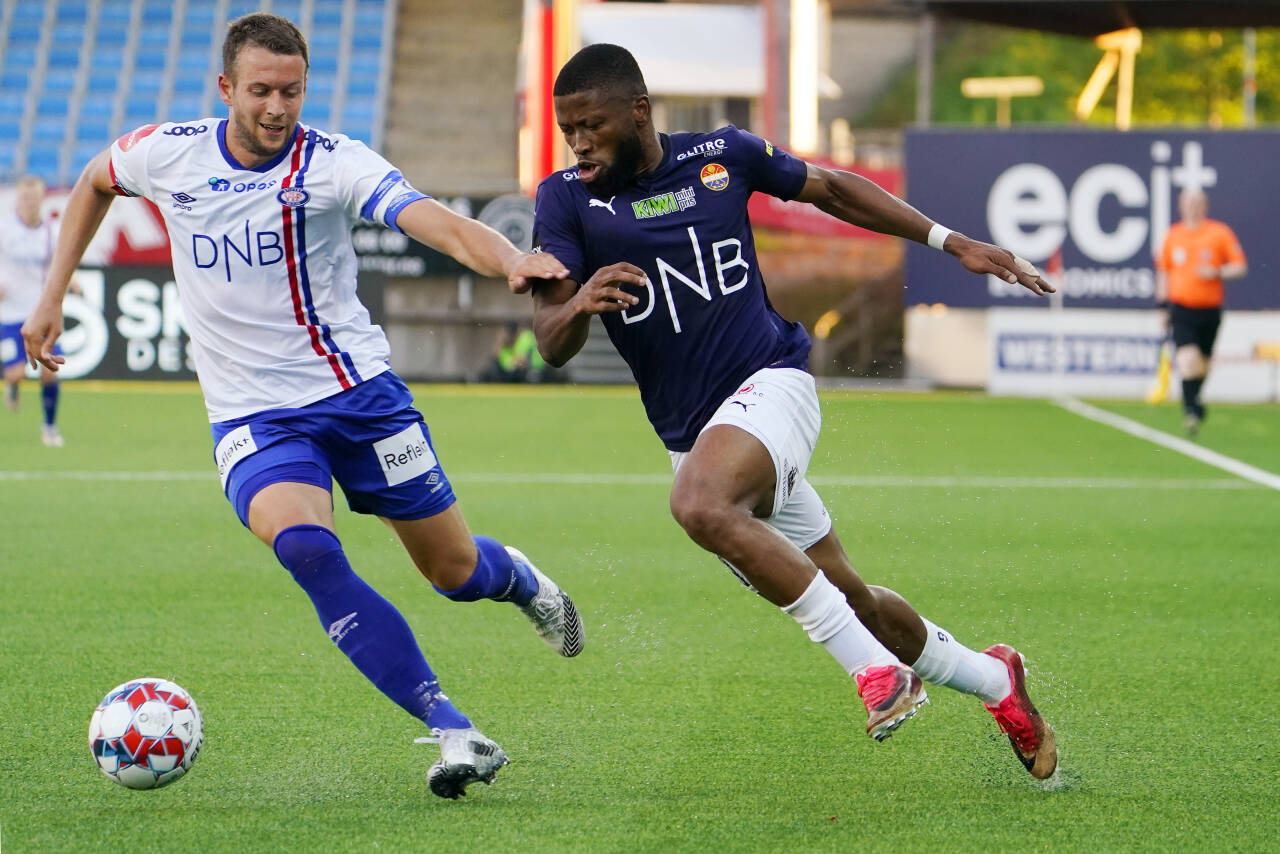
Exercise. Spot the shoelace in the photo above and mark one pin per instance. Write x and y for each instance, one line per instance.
(434, 738)
(1020, 731)
(878, 685)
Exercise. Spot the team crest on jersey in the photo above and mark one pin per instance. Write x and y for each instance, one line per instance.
(293, 197)
(663, 204)
(715, 177)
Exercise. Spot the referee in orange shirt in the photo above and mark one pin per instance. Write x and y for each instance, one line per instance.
(1198, 255)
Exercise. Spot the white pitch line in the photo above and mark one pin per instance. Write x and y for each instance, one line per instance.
(1173, 443)
(586, 479)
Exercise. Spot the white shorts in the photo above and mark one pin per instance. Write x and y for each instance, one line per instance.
(779, 406)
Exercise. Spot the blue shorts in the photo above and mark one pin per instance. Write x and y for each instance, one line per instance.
(369, 438)
(11, 349)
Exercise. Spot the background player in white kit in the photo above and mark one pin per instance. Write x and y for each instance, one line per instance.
(259, 210)
(27, 239)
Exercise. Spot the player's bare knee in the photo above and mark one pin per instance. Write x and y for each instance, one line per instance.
(708, 522)
(1190, 361)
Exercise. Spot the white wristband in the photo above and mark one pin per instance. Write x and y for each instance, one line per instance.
(938, 235)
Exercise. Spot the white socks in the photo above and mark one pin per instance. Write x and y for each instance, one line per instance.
(823, 612)
(944, 661)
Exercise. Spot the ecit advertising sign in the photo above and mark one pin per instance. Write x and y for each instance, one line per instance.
(1098, 203)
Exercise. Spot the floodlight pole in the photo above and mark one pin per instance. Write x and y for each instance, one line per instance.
(924, 68)
(1121, 48)
(1004, 90)
(1250, 76)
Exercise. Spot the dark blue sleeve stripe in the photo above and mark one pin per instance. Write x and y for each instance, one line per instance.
(398, 204)
(384, 186)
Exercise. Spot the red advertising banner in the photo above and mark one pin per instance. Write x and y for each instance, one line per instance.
(770, 212)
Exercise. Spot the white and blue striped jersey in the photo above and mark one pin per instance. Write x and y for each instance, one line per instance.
(263, 258)
(25, 252)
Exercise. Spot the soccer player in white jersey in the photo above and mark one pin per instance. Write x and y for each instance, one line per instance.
(27, 239)
(259, 210)
(654, 230)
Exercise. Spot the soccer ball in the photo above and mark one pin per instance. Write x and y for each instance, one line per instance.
(146, 733)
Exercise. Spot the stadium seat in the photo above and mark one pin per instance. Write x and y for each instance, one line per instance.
(114, 13)
(186, 83)
(326, 39)
(59, 81)
(20, 56)
(326, 14)
(365, 62)
(324, 62)
(362, 86)
(98, 105)
(68, 34)
(66, 57)
(106, 61)
(98, 84)
(9, 131)
(24, 33)
(47, 129)
(72, 11)
(194, 59)
(52, 105)
(12, 104)
(28, 13)
(150, 60)
(42, 160)
(14, 79)
(185, 107)
(93, 129)
(6, 156)
(367, 37)
(320, 87)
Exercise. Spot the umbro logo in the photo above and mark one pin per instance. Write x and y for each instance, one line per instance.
(339, 628)
(596, 203)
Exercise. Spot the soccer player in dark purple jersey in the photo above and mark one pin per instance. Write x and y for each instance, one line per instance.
(653, 228)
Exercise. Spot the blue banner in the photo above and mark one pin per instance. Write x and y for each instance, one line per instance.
(1097, 202)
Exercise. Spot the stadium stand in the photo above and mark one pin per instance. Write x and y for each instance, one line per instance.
(75, 74)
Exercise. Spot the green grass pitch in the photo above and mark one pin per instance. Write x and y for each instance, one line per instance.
(1141, 585)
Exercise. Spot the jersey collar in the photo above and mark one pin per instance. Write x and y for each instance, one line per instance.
(261, 167)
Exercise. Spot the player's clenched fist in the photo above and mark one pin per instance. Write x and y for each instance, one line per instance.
(603, 292)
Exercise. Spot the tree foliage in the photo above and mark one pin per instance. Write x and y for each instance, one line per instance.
(1192, 77)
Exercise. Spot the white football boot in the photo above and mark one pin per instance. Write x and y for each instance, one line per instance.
(552, 612)
(466, 756)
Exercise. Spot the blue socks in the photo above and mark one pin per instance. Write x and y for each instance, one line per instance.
(49, 396)
(496, 577)
(366, 627)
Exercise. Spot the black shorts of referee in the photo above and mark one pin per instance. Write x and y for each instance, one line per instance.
(1198, 326)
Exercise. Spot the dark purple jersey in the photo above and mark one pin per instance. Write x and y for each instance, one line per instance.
(705, 324)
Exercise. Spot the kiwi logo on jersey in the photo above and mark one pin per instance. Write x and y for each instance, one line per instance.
(715, 177)
(664, 204)
(293, 197)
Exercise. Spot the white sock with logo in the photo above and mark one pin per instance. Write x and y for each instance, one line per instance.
(947, 662)
(823, 612)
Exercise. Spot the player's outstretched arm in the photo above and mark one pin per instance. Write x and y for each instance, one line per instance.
(476, 245)
(86, 206)
(860, 202)
(562, 310)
